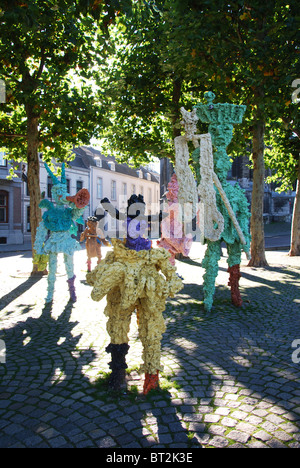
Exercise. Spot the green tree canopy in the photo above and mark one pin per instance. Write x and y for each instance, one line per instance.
(48, 53)
(245, 51)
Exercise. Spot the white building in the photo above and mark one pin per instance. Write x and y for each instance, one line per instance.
(103, 176)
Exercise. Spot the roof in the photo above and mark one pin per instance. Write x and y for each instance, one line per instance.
(85, 158)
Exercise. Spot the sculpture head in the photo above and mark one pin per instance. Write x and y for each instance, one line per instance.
(189, 122)
(221, 134)
(173, 187)
(59, 190)
(136, 206)
(92, 222)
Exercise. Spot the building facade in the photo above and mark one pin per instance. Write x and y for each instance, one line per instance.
(11, 209)
(104, 177)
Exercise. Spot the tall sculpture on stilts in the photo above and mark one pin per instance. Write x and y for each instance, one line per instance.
(224, 213)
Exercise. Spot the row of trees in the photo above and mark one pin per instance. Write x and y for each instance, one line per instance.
(246, 51)
(121, 70)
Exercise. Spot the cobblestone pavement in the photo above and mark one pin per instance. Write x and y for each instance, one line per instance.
(231, 377)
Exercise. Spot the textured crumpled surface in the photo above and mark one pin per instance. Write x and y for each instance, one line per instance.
(139, 281)
(173, 238)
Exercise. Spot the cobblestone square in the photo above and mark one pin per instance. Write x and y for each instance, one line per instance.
(231, 377)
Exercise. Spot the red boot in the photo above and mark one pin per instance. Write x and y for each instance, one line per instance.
(234, 277)
(151, 382)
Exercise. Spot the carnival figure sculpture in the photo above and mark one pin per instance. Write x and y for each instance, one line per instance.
(134, 277)
(173, 238)
(93, 241)
(229, 200)
(54, 233)
(222, 213)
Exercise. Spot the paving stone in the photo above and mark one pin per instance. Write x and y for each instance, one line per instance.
(238, 414)
(262, 435)
(219, 442)
(245, 427)
(250, 401)
(211, 418)
(229, 422)
(281, 435)
(239, 436)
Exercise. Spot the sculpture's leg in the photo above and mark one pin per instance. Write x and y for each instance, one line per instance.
(117, 326)
(98, 251)
(234, 260)
(71, 277)
(210, 264)
(51, 276)
(117, 364)
(151, 327)
(89, 264)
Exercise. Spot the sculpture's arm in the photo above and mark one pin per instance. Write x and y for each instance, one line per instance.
(46, 204)
(40, 238)
(83, 236)
(110, 209)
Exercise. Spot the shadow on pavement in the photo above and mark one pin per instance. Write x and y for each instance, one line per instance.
(18, 291)
(232, 354)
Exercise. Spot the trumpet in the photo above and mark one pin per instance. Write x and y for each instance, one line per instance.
(81, 199)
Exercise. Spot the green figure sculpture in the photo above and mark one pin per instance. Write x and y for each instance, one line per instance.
(221, 118)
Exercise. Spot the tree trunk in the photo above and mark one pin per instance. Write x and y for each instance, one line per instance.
(295, 234)
(257, 251)
(33, 174)
(176, 95)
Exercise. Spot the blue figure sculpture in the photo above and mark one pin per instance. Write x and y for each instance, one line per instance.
(54, 233)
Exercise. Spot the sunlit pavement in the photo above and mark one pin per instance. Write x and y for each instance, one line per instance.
(231, 377)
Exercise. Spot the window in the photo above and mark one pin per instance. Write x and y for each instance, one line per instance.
(113, 190)
(142, 190)
(3, 206)
(3, 161)
(99, 187)
(49, 187)
(124, 188)
(132, 189)
(68, 185)
(28, 227)
(150, 195)
(79, 185)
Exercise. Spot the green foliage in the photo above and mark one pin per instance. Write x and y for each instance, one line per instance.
(168, 53)
(49, 51)
(282, 155)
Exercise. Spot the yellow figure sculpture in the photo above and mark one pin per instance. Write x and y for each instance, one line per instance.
(135, 280)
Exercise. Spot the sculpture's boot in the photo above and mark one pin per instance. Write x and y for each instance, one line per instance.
(151, 382)
(50, 292)
(72, 288)
(234, 277)
(117, 365)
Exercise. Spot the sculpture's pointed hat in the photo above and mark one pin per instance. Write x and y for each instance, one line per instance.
(55, 180)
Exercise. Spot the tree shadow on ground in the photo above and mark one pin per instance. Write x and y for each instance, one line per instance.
(157, 419)
(241, 352)
(43, 368)
(18, 291)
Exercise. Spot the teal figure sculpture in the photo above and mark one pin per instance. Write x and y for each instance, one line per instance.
(54, 233)
(221, 119)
